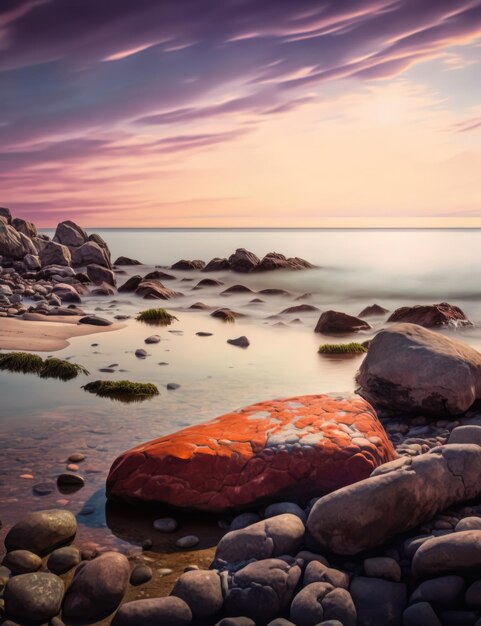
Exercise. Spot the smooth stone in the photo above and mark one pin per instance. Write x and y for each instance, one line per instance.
(33, 597)
(22, 561)
(473, 594)
(42, 531)
(170, 611)
(236, 621)
(189, 541)
(140, 353)
(468, 523)
(70, 479)
(378, 601)
(318, 572)
(455, 552)
(243, 520)
(203, 334)
(97, 588)
(279, 508)
(382, 567)
(172, 386)
(444, 591)
(272, 537)
(44, 489)
(201, 590)
(63, 559)
(420, 614)
(152, 339)
(240, 342)
(466, 434)
(320, 601)
(166, 524)
(140, 574)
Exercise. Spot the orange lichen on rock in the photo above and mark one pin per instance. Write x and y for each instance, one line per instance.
(294, 448)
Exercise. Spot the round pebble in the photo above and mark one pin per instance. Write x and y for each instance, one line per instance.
(140, 575)
(166, 524)
(189, 541)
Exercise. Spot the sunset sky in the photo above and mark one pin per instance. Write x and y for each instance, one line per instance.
(241, 112)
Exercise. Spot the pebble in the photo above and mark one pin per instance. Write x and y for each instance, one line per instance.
(22, 561)
(166, 524)
(140, 575)
(152, 339)
(140, 353)
(70, 479)
(63, 559)
(44, 489)
(165, 571)
(189, 541)
(382, 567)
(172, 386)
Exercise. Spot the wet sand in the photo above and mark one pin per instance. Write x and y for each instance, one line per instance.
(41, 333)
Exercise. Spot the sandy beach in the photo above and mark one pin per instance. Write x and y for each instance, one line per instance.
(40, 333)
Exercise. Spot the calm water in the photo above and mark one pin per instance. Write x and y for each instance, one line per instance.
(42, 422)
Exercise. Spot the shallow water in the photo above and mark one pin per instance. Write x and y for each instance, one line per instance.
(42, 422)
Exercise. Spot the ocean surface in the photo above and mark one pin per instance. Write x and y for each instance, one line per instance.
(42, 422)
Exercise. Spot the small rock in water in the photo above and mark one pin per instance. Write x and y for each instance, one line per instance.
(166, 524)
(152, 339)
(107, 370)
(76, 457)
(140, 353)
(241, 342)
(140, 575)
(44, 489)
(172, 386)
(73, 467)
(203, 334)
(70, 479)
(189, 541)
(162, 363)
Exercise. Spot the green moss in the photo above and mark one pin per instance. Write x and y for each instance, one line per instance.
(156, 316)
(63, 370)
(23, 362)
(342, 348)
(123, 390)
(229, 318)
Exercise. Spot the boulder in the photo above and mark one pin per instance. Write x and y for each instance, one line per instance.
(216, 265)
(262, 590)
(70, 234)
(378, 601)
(97, 588)
(318, 572)
(275, 536)
(5, 213)
(27, 228)
(319, 602)
(431, 316)
(276, 261)
(33, 597)
(32, 262)
(96, 238)
(93, 320)
(90, 252)
(201, 590)
(455, 552)
(197, 264)
(296, 448)
(356, 518)
(410, 369)
(63, 559)
(170, 611)
(125, 260)
(154, 290)
(373, 311)
(130, 284)
(55, 254)
(14, 245)
(243, 261)
(337, 323)
(42, 531)
(159, 275)
(99, 274)
(470, 433)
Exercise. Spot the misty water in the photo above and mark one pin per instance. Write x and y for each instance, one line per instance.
(42, 422)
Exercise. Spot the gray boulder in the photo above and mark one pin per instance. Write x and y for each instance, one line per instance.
(262, 590)
(412, 369)
(70, 234)
(27, 228)
(170, 611)
(88, 253)
(33, 597)
(42, 531)
(14, 245)
(201, 590)
(272, 537)
(356, 518)
(99, 274)
(97, 588)
(455, 552)
(378, 601)
(54, 254)
(321, 601)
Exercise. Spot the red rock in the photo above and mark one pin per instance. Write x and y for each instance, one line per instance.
(294, 448)
(431, 316)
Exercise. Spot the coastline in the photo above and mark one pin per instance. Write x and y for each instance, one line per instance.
(43, 333)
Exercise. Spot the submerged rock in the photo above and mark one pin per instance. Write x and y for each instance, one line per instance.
(375, 310)
(431, 316)
(411, 369)
(197, 264)
(397, 497)
(243, 261)
(154, 290)
(337, 323)
(298, 447)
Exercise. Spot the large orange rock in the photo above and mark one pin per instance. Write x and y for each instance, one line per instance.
(295, 448)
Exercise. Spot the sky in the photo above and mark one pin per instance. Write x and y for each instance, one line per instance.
(241, 113)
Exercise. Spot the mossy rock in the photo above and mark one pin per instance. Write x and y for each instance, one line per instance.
(123, 390)
(160, 317)
(342, 348)
(63, 370)
(22, 362)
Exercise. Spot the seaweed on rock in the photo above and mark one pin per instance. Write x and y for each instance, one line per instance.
(63, 370)
(156, 316)
(342, 348)
(23, 362)
(123, 390)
